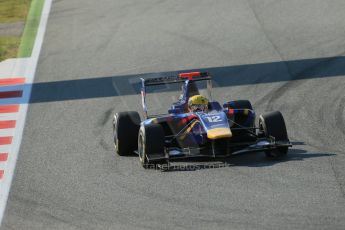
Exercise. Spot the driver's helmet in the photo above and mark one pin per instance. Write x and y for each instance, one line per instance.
(198, 103)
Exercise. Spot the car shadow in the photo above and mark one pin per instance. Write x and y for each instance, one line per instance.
(223, 76)
(242, 160)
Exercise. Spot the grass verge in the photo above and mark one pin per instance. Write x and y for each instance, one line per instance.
(31, 27)
(19, 10)
(8, 47)
(13, 10)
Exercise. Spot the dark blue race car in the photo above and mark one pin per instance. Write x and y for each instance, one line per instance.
(186, 131)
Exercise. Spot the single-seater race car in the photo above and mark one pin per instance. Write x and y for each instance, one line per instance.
(195, 125)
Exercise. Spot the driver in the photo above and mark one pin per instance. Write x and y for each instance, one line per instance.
(197, 103)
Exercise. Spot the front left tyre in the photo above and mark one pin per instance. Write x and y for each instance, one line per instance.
(125, 131)
(273, 125)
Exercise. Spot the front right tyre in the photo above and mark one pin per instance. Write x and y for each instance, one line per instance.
(151, 145)
(125, 132)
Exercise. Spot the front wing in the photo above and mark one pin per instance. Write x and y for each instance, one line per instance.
(213, 150)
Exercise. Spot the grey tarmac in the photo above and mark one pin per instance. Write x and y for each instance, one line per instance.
(281, 55)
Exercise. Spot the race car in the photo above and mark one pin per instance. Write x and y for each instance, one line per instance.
(196, 126)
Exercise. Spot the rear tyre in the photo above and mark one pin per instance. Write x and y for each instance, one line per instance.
(239, 104)
(273, 124)
(243, 119)
(151, 144)
(125, 129)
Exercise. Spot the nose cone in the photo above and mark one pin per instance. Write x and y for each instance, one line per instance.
(218, 133)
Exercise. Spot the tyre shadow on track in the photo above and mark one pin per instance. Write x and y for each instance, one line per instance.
(247, 160)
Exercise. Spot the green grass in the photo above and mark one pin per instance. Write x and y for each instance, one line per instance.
(13, 10)
(31, 27)
(8, 47)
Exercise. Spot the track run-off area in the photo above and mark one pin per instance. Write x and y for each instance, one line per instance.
(280, 55)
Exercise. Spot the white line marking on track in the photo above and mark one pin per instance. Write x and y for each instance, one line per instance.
(7, 132)
(8, 116)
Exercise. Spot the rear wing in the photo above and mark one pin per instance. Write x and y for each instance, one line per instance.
(180, 78)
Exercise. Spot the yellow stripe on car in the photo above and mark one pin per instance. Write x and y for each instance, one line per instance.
(219, 133)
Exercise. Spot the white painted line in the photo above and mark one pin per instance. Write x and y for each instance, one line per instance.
(2, 165)
(5, 148)
(29, 69)
(13, 67)
(7, 132)
(8, 116)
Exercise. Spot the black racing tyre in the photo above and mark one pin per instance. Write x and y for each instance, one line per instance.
(125, 129)
(239, 104)
(151, 143)
(273, 124)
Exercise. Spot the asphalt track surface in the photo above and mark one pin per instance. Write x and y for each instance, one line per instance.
(281, 55)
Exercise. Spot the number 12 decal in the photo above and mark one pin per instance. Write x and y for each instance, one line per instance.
(214, 119)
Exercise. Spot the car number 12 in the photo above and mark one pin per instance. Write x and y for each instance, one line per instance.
(213, 119)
